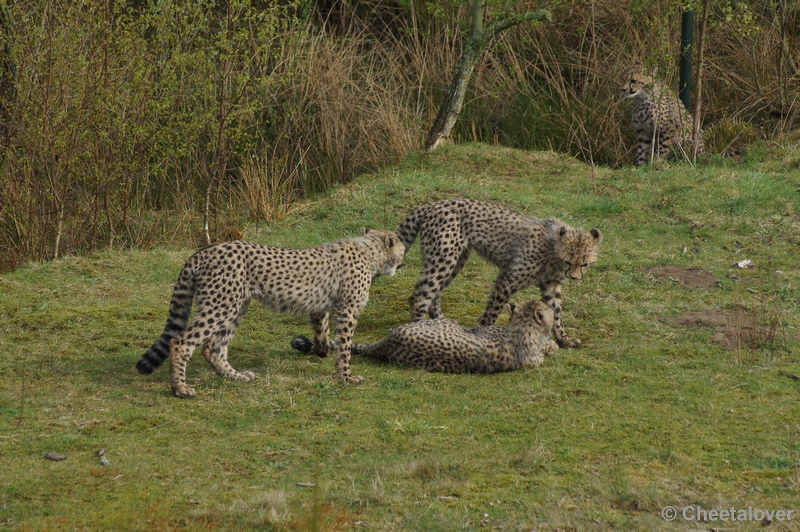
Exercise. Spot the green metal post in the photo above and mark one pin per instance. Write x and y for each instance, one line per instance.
(685, 83)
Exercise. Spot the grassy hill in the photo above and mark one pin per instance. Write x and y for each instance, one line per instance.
(685, 391)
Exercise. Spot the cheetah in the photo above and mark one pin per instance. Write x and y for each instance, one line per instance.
(222, 278)
(663, 126)
(527, 250)
(443, 345)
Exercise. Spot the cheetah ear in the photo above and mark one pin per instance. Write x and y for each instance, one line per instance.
(562, 231)
(510, 308)
(597, 234)
(363, 231)
(389, 241)
(539, 315)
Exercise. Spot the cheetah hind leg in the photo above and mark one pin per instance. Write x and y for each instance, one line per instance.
(435, 309)
(216, 353)
(179, 355)
(215, 350)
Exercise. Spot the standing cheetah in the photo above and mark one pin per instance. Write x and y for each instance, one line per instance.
(527, 250)
(222, 278)
(443, 345)
(663, 126)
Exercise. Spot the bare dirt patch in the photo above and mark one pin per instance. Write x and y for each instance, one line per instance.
(693, 277)
(736, 329)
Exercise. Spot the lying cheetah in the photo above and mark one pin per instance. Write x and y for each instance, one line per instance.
(443, 345)
(224, 277)
(527, 251)
(663, 126)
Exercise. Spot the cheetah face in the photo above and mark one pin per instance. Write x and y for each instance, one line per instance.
(394, 248)
(635, 81)
(578, 250)
(530, 313)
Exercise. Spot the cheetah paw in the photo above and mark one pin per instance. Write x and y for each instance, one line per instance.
(184, 392)
(306, 346)
(302, 344)
(550, 349)
(247, 376)
(570, 342)
(354, 379)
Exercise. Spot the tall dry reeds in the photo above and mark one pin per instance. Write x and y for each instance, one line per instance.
(120, 121)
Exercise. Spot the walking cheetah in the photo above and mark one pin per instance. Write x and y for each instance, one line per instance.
(443, 345)
(527, 250)
(663, 126)
(222, 278)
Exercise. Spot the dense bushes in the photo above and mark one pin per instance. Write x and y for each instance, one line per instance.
(122, 121)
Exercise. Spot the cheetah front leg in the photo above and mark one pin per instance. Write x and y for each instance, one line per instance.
(551, 296)
(644, 148)
(345, 326)
(321, 326)
(550, 349)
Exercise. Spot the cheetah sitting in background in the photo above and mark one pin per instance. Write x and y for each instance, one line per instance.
(527, 250)
(663, 126)
(224, 277)
(443, 345)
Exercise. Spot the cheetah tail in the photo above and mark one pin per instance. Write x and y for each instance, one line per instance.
(358, 350)
(179, 308)
(374, 350)
(408, 229)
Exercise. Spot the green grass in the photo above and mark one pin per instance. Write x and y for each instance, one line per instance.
(653, 409)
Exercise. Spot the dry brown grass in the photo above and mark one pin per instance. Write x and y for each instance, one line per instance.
(99, 152)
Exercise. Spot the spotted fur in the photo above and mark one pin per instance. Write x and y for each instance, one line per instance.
(527, 250)
(443, 345)
(663, 126)
(223, 278)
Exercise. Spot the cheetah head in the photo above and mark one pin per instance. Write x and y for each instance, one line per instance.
(578, 250)
(635, 81)
(531, 313)
(392, 248)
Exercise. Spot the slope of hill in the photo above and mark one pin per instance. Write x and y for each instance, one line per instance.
(685, 392)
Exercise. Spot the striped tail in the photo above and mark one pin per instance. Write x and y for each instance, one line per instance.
(410, 227)
(373, 350)
(179, 308)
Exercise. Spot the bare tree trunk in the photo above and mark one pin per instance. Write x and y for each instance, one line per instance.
(59, 230)
(480, 38)
(453, 100)
(698, 101)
